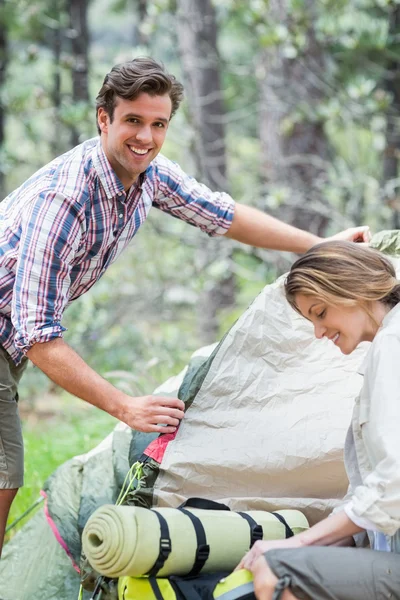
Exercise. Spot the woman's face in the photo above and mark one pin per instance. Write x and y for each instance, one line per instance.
(345, 326)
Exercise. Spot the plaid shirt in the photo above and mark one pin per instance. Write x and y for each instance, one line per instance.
(65, 225)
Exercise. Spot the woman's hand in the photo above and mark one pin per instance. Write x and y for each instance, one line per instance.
(260, 547)
(264, 579)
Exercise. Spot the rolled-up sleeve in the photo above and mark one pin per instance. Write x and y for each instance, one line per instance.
(185, 198)
(377, 500)
(50, 237)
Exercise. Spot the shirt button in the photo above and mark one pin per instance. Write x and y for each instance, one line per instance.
(120, 215)
(381, 487)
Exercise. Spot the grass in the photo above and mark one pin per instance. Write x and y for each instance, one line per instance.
(58, 429)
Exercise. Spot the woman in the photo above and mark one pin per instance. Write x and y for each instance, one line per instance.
(350, 294)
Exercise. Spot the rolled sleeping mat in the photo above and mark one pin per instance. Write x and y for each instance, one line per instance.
(136, 541)
(236, 586)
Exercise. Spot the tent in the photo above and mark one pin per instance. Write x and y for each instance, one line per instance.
(267, 414)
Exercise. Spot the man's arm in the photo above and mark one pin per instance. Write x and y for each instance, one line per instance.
(68, 370)
(256, 228)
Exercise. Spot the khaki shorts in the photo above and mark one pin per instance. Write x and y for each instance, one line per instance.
(330, 573)
(11, 444)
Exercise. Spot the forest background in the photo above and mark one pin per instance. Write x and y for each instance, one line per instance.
(292, 106)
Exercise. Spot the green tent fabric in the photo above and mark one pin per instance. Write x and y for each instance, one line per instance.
(34, 566)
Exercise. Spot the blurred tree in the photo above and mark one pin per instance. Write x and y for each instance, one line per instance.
(391, 160)
(56, 95)
(201, 65)
(295, 149)
(141, 36)
(79, 36)
(3, 70)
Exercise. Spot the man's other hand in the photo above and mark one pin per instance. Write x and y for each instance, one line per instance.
(353, 234)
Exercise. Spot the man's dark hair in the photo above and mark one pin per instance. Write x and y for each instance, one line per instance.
(130, 79)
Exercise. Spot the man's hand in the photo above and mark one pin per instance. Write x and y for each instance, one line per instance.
(353, 234)
(152, 413)
(68, 370)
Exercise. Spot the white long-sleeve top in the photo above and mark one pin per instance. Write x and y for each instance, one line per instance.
(372, 448)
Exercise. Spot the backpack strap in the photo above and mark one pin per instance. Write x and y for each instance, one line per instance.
(165, 546)
(156, 588)
(288, 531)
(203, 504)
(256, 530)
(203, 549)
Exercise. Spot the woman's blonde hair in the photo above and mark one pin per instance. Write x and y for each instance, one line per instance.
(343, 273)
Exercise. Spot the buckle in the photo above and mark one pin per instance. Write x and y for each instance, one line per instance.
(203, 552)
(165, 546)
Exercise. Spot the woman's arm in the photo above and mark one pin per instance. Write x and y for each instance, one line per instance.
(328, 532)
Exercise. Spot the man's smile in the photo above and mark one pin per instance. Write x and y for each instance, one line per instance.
(136, 150)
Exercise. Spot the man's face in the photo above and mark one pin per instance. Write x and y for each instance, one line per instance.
(136, 134)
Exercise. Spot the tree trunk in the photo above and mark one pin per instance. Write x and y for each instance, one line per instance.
(3, 72)
(140, 38)
(57, 145)
(79, 47)
(392, 150)
(294, 154)
(197, 34)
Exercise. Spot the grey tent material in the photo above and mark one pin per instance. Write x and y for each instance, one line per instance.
(268, 409)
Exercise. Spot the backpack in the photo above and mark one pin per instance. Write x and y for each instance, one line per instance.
(215, 586)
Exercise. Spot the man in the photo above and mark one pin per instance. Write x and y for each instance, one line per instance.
(66, 224)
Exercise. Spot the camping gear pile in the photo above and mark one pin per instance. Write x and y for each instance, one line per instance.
(145, 546)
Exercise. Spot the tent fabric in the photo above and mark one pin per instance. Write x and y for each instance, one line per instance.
(273, 409)
(265, 426)
(34, 566)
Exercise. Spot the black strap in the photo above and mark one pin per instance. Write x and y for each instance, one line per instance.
(98, 590)
(197, 588)
(204, 504)
(156, 589)
(256, 530)
(203, 549)
(288, 531)
(165, 546)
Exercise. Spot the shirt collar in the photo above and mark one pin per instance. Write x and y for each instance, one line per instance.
(108, 178)
(392, 314)
(388, 318)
